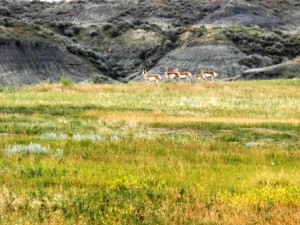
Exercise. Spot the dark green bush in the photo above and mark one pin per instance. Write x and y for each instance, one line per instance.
(107, 27)
(94, 34)
(76, 30)
(247, 61)
(114, 32)
(8, 23)
(275, 45)
(4, 12)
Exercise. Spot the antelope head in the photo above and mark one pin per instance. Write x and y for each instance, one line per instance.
(144, 72)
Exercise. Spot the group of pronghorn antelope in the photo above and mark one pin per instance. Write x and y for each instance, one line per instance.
(177, 75)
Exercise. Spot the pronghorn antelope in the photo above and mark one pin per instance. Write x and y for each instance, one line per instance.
(184, 75)
(172, 74)
(199, 77)
(205, 74)
(151, 77)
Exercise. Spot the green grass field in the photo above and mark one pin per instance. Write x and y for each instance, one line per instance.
(200, 153)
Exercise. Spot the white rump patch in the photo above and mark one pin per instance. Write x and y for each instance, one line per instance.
(171, 76)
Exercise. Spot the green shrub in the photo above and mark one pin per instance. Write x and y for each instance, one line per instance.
(66, 82)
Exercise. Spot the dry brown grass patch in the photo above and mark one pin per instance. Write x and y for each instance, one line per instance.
(164, 118)
(297, 59)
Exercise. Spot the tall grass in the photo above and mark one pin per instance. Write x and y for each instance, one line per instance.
(205, 153)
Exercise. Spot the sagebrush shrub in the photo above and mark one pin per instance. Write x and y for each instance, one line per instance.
(32, 148)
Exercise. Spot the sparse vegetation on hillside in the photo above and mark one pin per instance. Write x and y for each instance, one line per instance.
(274, 45)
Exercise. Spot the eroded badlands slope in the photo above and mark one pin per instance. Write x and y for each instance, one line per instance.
(112, 41)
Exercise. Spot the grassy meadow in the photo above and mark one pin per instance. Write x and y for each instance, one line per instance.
(199, 153)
